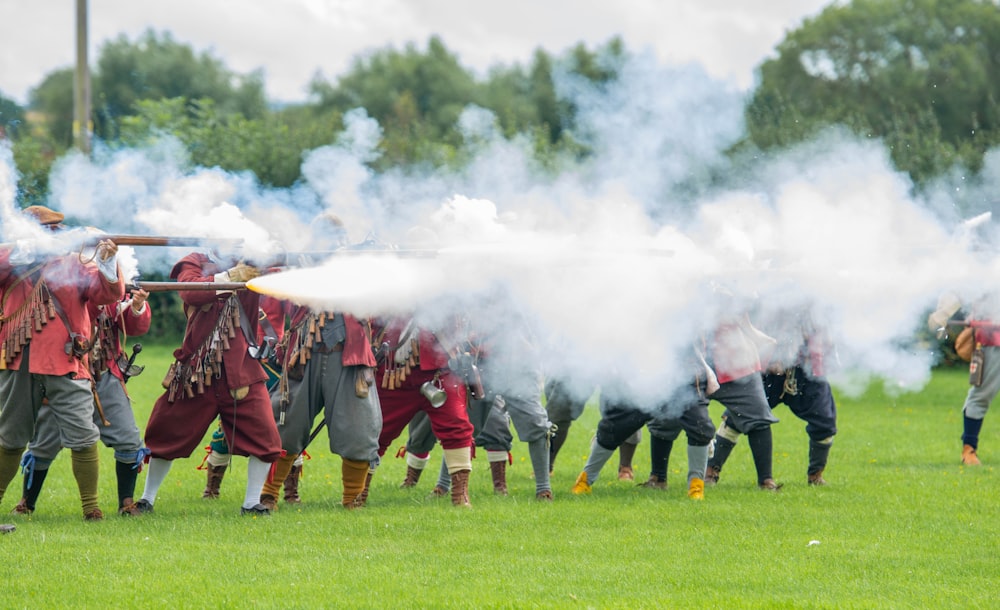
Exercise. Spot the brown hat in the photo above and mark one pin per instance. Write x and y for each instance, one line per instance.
(329, 218)
(44, 215)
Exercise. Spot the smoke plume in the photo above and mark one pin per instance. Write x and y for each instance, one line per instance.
(614, 267)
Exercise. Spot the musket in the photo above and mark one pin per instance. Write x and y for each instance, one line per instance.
(942, 331)
(168, 286)
(975, 324)
(293, 256)
(163, 240)
(52, 246)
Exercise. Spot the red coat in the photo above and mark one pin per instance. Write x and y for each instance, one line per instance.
(276, 311)
(432, 354)
(987, 332)
(75, 285)
(357, 344)
(203, 309)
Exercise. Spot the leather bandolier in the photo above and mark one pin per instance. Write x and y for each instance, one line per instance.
(205, 364)
(17, 327)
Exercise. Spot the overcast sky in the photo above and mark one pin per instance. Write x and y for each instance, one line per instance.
(291, 40)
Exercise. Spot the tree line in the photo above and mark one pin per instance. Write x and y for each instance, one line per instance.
(155, 85)
(917, 74)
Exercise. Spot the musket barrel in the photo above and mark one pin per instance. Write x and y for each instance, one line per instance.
(163, 240)
(346, 252)
(179, 286)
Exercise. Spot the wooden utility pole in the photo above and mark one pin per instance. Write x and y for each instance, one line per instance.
(81, 83)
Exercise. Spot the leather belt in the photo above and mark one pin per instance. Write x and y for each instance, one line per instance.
(323, 349)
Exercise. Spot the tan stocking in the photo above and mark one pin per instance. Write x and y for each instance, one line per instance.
(85, 470)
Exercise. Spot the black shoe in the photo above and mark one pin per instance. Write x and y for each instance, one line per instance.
(256, 510)
(143, 506)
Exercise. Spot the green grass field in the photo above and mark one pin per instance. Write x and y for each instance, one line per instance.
(901, 525)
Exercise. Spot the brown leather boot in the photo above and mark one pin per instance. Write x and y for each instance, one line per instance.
(362, 500)
(770, 485)
(625, 454)
(460, 488)
(129, 509)
(412, 476)
(215, 475)
(292, 485)
(816, 478)
(654, 482)
(499, 472)
(269, 502)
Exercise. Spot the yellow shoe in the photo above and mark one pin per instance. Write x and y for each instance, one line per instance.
(696, 489)
(581, 486)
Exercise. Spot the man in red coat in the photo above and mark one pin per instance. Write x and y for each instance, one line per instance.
(214, 375)
(414, 371)
(327, 366)
(45, 338)
(113, 415)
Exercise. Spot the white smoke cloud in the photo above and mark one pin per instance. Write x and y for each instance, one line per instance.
(618, 263)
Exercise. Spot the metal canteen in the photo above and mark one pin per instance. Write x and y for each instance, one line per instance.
(433, 393)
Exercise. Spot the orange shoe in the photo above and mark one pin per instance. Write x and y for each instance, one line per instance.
(969, 457)
(696, 489)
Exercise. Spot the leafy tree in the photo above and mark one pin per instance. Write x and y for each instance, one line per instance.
(33, 157)
(418, 96)
(45, 133)
(415, 96)
(156, 67)
(271, 147)
(11, 118)
(918, 73)
(524, 100)
(53, 101)
(600, 66)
